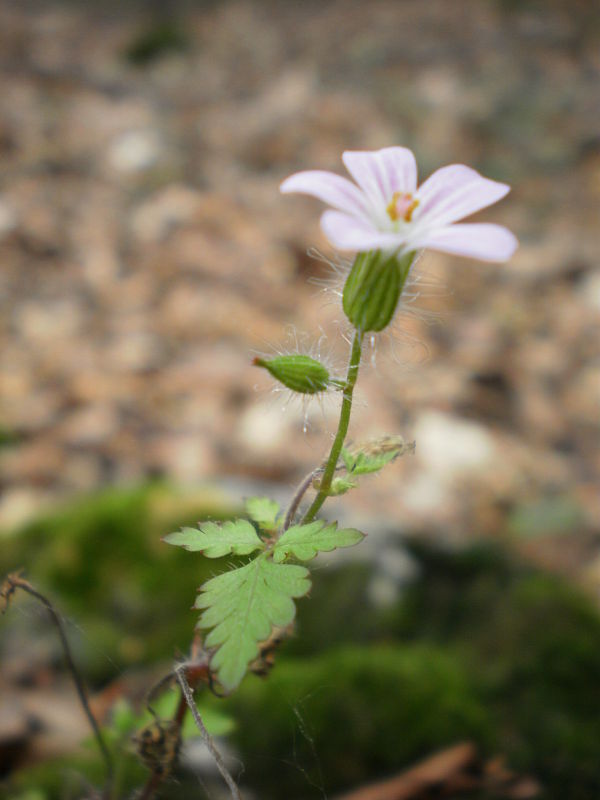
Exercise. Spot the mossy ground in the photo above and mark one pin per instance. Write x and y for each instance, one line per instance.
(477, 647)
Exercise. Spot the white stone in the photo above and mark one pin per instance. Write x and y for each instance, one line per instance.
(424, 493)
(590, 290)
(263, 427)
(134, 151)
(448, 445)
(398, 564)
(19, 505)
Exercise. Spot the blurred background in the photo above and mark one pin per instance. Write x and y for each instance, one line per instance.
(145, 257)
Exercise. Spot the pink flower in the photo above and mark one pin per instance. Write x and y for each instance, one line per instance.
(384, 209)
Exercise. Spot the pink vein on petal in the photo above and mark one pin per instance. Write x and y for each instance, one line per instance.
(349, 233)
(482, 240)
(455, 192)
(399, 163)
(332, 189)
(369, 172)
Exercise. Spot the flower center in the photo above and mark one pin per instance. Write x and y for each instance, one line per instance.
(401, 206)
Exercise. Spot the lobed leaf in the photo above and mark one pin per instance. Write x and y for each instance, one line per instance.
(236, 537)
(305, 541)
(263, 511)
(242, 607)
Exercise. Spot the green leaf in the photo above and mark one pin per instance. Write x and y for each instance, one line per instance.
(242, 606)
(305, 541)
(373, 456)
(365, 463)
(236, 537)
(349, 459)
(263, 511)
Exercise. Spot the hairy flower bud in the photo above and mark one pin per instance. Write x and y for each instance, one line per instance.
(373, 288)
(300, 373)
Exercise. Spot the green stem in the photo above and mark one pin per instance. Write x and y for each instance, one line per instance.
(342, 430)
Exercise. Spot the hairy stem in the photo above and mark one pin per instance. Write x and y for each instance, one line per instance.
(303, 487)
(342, 430)
(208, 741)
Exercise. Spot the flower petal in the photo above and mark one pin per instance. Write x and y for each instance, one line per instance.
(455, 192)
(332, 189)
(484, 241)
(401, 168)
(383, 172)
(349, 233)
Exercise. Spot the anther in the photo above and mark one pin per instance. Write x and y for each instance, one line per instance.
(401, 206)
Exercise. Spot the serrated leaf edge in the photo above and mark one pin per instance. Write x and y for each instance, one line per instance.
(302, 574)
(223, 547)
(320, 527)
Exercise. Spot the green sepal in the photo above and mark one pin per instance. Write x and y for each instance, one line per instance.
(339, 485)
(236, 537)
(297, 372)
(373, 288)
(305, 541)
(242, 607)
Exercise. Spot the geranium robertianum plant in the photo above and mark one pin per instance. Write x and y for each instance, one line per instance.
(385, 220)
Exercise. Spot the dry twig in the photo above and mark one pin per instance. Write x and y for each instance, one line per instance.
(208, 741)
(11, 583)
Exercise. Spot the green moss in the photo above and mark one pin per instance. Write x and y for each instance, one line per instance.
(159, 39)
(7, 437)
(525, 644)
(539, 667)
(101, 562)
(71, 778)
(531, 643)
(340, 718)
(337, 612)
(479, 646)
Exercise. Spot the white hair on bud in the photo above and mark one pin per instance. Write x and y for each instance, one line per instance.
(420, 285)
(298, 343)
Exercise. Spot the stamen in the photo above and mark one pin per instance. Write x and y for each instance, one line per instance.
(401, 206)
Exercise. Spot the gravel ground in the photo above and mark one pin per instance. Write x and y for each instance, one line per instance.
(147, 254)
